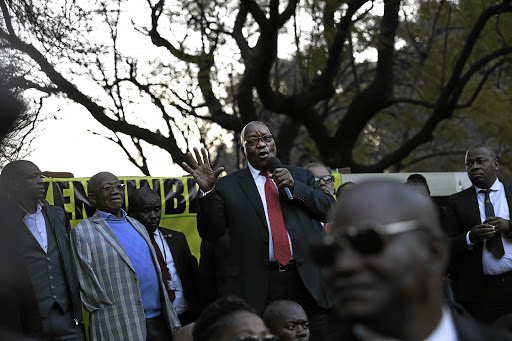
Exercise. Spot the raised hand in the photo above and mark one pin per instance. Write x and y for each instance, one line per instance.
(201, 170)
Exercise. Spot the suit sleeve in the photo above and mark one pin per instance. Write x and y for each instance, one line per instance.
(453, 227)
(91, 292)
(211, 219)
(312, 198)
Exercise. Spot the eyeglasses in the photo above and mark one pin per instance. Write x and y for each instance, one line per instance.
(368, 240)
(327, 179)
(110, 189)
(255, 140)
(256, 338)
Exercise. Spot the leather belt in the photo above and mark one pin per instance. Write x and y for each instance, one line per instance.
(276, 266)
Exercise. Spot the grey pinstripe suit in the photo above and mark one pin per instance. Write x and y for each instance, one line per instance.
(109, 286)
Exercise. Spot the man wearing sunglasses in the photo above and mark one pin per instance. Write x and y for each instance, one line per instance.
(384, 259)
(478, 222)
(268, 233)
(120, 277)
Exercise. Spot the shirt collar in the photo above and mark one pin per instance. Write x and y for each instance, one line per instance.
(40, 206)
(254, 171)
(106, 215)
(445, 329)
(496, 186)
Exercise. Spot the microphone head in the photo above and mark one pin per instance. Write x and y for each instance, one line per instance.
(273, 163)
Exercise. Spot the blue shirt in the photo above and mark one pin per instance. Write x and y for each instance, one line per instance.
(140, 256)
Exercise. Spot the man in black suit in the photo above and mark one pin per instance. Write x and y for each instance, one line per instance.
(384, 258)
(266, 260)
(479, 226)
(146, 206)
(43, 240)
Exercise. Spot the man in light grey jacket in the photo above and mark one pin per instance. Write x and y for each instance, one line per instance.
(124, 295)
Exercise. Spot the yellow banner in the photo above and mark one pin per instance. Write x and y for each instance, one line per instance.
(178, 196)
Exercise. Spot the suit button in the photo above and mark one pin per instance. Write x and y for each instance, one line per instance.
(139, 302)
(266, 242)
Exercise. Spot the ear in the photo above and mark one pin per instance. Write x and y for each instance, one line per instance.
(242, 149)
(438, 249)
(92, 199)
(496, 164)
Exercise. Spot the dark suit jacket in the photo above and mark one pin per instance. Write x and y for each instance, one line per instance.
(186, 266)
(467, 330)
(235, 207)
(465, 268)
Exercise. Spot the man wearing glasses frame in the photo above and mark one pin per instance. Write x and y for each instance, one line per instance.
(119, 274)
(384, 260)
(238, 204)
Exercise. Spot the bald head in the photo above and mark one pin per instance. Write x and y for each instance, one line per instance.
(387, 202)
(287, 320)
(386, 257)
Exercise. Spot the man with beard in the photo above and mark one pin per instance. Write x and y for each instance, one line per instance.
(268, 231)
(120, 278)
(478, 222)
(384, 259)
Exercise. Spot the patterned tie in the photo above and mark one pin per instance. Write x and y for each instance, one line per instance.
(166, 276)
(493, 244)
(282, 252)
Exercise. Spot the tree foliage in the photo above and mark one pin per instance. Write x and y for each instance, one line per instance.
(371, 85)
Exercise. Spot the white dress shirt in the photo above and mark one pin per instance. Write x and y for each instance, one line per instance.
(180, 303)
(491, 265)
(445, 330)
(36, 224)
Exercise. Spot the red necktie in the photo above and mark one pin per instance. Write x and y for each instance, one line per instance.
(166, 276)
(282, 252)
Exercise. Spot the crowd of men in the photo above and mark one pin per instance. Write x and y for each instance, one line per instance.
(280, 260)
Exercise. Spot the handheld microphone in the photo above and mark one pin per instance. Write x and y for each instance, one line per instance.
(273, 163)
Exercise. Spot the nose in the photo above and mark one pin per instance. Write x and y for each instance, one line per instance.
(347, 260)
(261, 143)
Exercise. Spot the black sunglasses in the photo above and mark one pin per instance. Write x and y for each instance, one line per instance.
(368, 239)
(109, 189)
(256, 338)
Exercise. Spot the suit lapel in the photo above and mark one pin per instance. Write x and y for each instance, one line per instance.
(473, 208)
(247, 185)
(111, 238)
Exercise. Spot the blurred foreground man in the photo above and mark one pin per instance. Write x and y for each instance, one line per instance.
(120, 278)
(384, 260)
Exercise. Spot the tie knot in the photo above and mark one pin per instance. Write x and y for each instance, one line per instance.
(486, 192)
(265, 173)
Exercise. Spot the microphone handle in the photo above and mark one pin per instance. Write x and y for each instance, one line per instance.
(289, 195)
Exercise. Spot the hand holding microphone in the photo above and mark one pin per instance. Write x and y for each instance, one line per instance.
(282, 177)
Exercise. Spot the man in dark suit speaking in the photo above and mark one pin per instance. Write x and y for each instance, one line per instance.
(478, 222)
(268, 233)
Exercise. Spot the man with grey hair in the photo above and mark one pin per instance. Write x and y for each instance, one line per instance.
(384, 259)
